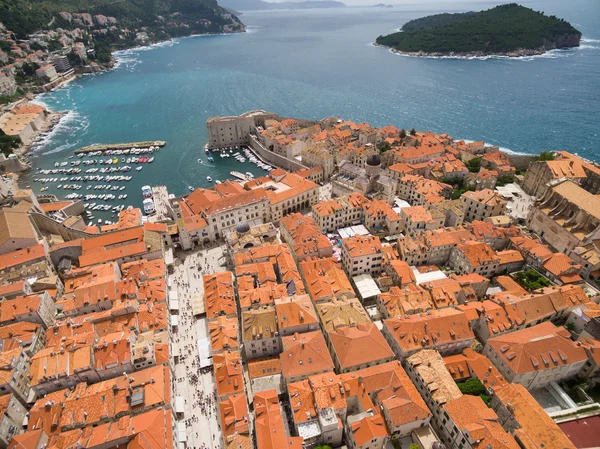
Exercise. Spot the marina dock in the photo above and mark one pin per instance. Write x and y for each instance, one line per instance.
(237, 174)
(121, 146)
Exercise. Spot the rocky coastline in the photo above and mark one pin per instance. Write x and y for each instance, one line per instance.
(518, 53)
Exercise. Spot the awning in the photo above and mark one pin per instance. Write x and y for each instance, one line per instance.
(367, 288)
(181, 433)
(204, 352)
(198, 306)
(179, 404)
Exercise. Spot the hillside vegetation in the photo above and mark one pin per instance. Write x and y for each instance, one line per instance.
(500, 30)
(28, 16)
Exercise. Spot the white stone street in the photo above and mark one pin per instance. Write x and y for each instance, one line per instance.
(195, 385)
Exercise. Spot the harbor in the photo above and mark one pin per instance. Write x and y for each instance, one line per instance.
(111, 178)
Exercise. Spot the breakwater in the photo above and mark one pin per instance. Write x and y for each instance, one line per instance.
(121, 146)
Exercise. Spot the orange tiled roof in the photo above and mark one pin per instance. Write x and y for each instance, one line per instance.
(86, 405)
(478, 253)
(233, 412)
(264, 367)
(304, 354)
(407, 300)
(509, 256)
(359, 245)
(368, 429)
(537, 348)
(10, 309)
(269, 426)
(223, 333)
(536, 428)
(474, 418)
(359, 345)
(508, 284)
(563, 267)
(219, 296)
(295, 311)
(228, 373)
(433, 329)
(302, 401)
(325, 278)
(22, 256)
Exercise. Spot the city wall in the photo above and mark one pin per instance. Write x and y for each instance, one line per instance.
(274, 158)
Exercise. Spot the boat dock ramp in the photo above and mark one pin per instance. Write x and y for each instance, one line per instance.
(240, 176)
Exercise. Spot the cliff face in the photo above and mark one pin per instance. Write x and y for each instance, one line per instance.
(562, 41)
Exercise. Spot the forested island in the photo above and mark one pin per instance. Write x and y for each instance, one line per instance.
(509, 30)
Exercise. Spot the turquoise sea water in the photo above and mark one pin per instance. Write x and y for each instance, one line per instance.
(317, 63)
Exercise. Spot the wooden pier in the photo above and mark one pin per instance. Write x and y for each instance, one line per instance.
(121, 146)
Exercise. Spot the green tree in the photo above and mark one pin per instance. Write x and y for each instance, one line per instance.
(474, 165)
(413, 132)
(545, 156)
(471, 387)
(322, 446)
(414, 446)
(8, 143)
(503, 180)
(384, 147)
(402, 134)
(531, 279)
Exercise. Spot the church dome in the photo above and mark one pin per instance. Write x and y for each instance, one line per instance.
(374, 160)
(242, 228)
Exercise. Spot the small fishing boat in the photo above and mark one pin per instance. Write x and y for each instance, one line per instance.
(210, 159)
(208, 178)
(191, 188)
(139, 168)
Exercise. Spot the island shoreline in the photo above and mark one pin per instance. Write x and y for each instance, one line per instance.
(516, 54)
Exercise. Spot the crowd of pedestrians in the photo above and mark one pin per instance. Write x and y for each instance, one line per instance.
(201, 403)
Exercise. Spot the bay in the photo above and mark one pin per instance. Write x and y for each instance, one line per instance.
(318, 63)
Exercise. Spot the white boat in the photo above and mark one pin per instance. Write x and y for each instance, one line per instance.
(208, 178)
(148, 206)
(217, 182)
(151, 159)
(191, 188)
(139, 168)
(200, 161)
